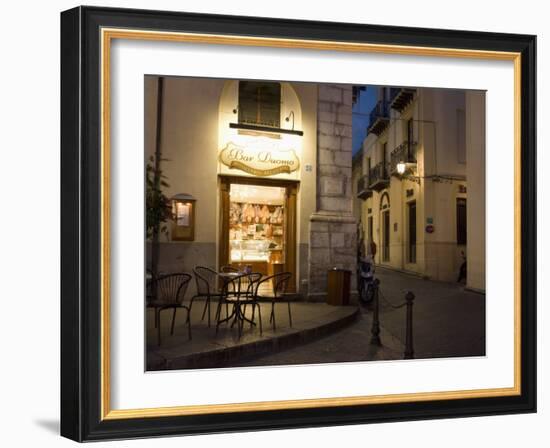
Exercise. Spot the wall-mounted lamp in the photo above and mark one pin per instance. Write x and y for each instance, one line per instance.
(401, 167)
(405, 170)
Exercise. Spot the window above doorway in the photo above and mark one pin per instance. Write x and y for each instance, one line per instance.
(260, 111)
(260, 103)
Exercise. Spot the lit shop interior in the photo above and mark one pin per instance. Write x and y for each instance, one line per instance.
(257, 223)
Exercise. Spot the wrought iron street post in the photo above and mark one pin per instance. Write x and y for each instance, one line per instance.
(375, 331)
(409, 350)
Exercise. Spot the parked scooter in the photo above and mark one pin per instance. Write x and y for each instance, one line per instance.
(365, 277)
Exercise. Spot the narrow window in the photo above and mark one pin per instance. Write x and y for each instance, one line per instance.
(386, 236)
(370, 232)
(461, 236)
(412, 232)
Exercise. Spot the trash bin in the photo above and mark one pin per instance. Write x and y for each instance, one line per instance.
(338, 288)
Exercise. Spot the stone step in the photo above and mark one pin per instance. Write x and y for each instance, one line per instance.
(224, 350)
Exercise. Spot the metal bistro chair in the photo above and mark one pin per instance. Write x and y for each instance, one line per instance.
(207, 281)
(148, 286)
(228, 269)
(247, 295)
(149, 282)
(238, 291)
(278, 293)
(170, 289)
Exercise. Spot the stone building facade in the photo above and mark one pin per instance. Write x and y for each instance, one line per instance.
(201, 122)
(421, 178)
(333, 241)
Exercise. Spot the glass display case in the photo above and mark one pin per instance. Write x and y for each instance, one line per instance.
(249, 250)
(257, 242)
(256, 226)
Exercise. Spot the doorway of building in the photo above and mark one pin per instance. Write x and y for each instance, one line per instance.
(386, 235)
(370, 231)
(258, 225)
(412, 232)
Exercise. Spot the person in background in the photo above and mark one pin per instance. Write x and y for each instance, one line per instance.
(463, 272)
(365, 275)
(372, 247)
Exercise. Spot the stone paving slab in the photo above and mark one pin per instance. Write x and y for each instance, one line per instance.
(350, 344)
(448, 320)
(207, 349)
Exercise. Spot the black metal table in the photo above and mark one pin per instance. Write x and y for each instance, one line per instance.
(237, 314)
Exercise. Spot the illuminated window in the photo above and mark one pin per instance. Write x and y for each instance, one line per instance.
(260, 103)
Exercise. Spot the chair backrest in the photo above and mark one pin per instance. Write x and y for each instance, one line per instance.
(249, 282)
(278, 281)
(206, 280)
(242, 285)
(148, 284)
(171, 288)
(229, 268)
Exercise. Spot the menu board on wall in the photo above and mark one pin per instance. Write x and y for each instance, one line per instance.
(182, 214)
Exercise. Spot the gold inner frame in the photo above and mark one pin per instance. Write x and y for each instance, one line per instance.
(107, 35)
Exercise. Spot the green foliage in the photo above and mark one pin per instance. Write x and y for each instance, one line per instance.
(157, 204)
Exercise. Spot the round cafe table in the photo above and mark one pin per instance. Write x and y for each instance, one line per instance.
(237, 315)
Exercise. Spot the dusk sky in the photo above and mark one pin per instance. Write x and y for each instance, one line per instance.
(361, 110)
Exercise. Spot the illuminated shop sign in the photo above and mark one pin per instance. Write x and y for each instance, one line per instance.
(259, 161)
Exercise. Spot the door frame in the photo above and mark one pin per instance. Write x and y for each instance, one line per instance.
(410, 205)
(386, 231)
(291, 227)
(383, 234)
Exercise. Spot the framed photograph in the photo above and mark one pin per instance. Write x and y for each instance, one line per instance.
(274, 223)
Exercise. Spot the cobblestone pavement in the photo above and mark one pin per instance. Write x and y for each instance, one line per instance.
(448, 321)
(351, 344)
(210, 348)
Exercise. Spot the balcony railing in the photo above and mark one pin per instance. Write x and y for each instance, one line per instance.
(394, 91)
(405, 152)
(400, 98)
(363, 190)
(379, 118)
(379, 177)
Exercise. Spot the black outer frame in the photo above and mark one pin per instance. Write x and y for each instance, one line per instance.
(80, 223)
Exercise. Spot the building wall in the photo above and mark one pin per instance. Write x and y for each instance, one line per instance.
(195, 118)
(332, 226)
(475, 155)
(441, 156)
(189, 140)
(445, 140)
(357, 172)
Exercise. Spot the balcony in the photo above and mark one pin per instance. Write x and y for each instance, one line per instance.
(363, 190)
(401, 98)
(405, 153)
(379, 118)
(378, 177)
